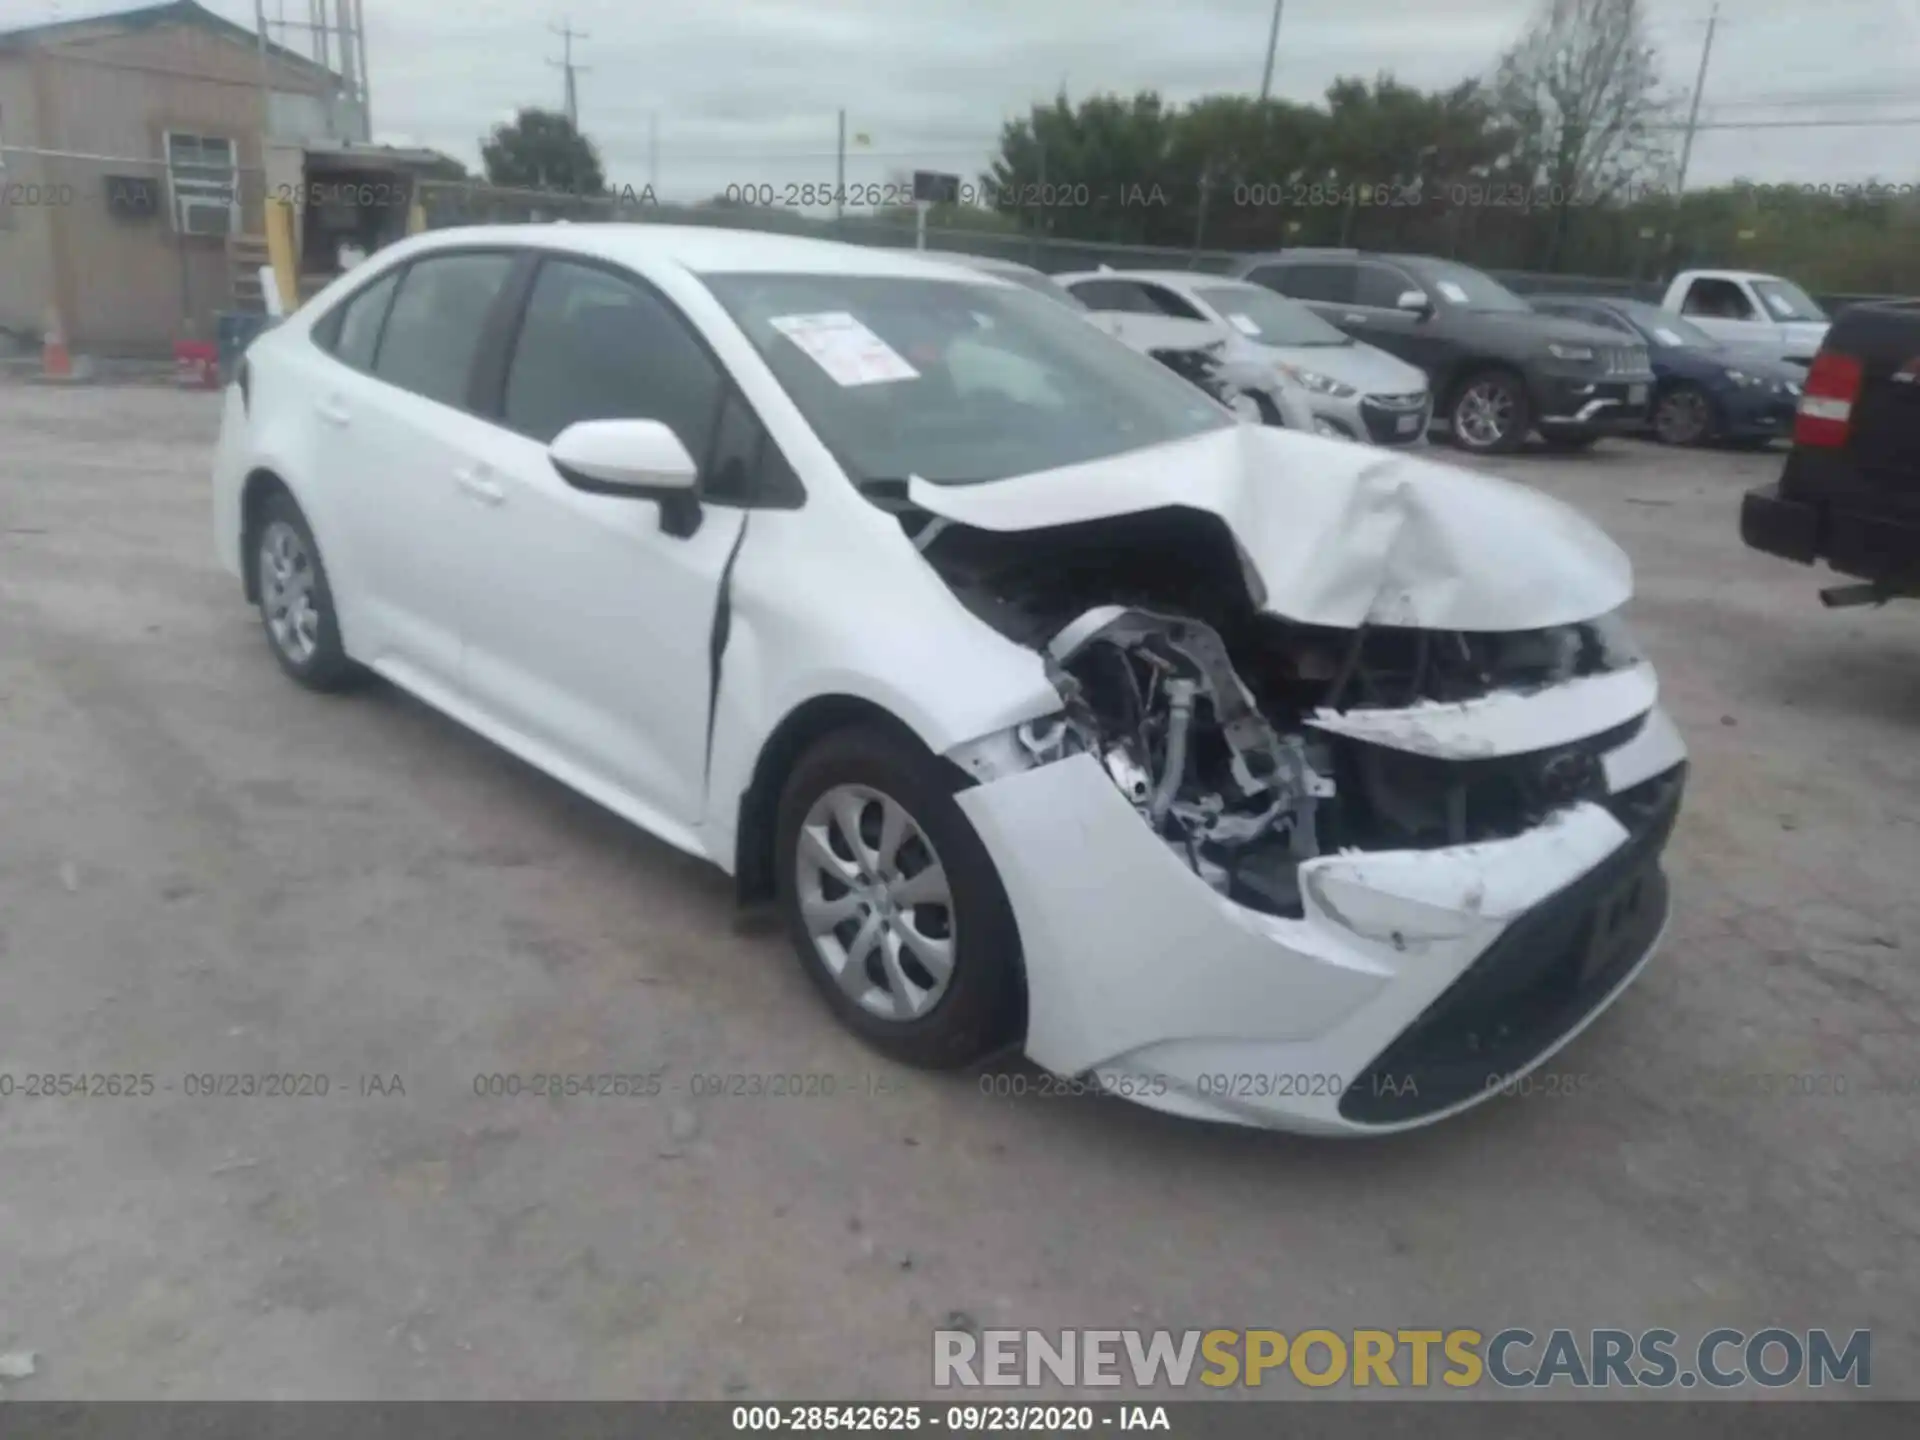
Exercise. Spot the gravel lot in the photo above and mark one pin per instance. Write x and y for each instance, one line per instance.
(206, 870)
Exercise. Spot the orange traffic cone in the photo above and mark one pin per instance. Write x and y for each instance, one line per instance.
(55, 362)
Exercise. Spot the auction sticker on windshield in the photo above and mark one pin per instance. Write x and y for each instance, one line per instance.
(1453, 292)
(1244, 324)
(844, 348)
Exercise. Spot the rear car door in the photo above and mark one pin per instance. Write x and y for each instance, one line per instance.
(1374, 316)
(591, 629)
(398, 405)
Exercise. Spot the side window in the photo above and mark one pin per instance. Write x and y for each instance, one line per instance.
(1717, 300)
(433, 329)
(746, 467)
(1380, 286)
(1327, 283)
(1116, 296)
(353, 331)
(594, 346)
(1169, 303)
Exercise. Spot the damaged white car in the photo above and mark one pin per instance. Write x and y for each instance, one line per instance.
(1245, 774)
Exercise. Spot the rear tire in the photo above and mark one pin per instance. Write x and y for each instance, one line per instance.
(296, 602)
(1490, 413)
(870, 927)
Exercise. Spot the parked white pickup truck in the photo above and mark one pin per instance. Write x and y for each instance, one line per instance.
(1750, 311)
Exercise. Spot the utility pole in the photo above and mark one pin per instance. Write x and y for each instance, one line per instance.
(1273, 43)
(653, 148)
(1693, 114)
(568, 35)
(840, 173)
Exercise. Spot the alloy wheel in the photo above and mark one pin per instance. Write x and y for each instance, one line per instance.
(287, 592)
(1485, 414)
(876, 902)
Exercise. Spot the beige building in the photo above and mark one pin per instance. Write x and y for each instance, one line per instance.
(135, 148)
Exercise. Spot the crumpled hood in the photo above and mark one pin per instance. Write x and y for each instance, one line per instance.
(1338, 534)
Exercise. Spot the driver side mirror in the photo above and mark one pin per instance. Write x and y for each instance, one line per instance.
(1416, 301)
(632, 459)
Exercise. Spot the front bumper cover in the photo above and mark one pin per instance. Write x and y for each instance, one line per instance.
(1172, 995)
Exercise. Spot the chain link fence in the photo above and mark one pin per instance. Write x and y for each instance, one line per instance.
(475, 203)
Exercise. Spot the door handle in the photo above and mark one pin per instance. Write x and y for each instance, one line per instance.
(473, 479)
(333, 412)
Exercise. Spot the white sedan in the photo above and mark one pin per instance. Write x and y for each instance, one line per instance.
(1242, 773)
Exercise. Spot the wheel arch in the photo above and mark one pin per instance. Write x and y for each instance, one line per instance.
(260, 484)
(802, 727)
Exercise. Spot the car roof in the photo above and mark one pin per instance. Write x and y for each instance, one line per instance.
(1158, 277)
(704, 249)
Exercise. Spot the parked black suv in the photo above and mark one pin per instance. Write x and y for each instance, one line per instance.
(1498, 369)
(1850, 494)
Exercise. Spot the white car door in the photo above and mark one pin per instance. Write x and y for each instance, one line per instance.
(392, 460)
(589, 624)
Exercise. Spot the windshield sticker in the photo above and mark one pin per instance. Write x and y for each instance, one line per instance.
(1667, 337)
(1453, 292)
(1780, 304)
(1244, 324)
(847, 350)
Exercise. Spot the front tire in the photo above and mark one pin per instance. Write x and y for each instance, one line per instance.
(892, 903)
(1491, 414)
(1684, 415)
(296, 602)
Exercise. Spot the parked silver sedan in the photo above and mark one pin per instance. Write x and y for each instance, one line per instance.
(1212, 354)
(1355, 391)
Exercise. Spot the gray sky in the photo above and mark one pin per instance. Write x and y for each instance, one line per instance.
(745, 91)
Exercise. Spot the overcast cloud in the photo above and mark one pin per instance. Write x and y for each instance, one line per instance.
(745, 91)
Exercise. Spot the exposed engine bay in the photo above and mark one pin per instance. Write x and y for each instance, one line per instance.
(1201, 707)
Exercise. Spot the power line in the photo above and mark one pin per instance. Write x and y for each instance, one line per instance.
(568, 35)
(1693, 114)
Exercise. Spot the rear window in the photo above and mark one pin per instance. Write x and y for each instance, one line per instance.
(433, 330)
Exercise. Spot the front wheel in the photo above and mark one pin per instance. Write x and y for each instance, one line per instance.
(1490, 414)
(893, 904)
(1683, 416)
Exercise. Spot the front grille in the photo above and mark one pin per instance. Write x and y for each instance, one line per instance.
(1627, 360)
(1383, 414)
(1537, 981)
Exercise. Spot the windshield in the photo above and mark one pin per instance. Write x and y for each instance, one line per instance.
(1271, 319)
(1787, 301)
(956, 383)
(1664, 328)
(1465, 288)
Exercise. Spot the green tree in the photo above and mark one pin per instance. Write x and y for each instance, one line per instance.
(1087, 171)
(541, 150)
